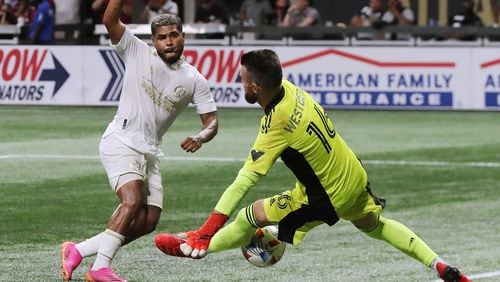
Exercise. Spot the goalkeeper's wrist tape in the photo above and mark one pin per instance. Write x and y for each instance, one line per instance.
(213, 223)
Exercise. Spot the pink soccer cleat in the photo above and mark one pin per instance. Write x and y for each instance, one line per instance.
(450, 273)
(70, 258)
(170, 244)
(104, 274)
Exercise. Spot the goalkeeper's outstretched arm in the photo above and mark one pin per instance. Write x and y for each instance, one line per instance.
(233, 194)
(198, 240)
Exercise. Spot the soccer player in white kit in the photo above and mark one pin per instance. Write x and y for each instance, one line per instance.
(158, 85)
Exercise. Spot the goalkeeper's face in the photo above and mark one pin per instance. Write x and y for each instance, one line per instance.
(249, 86)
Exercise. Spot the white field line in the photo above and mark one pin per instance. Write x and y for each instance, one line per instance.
(212, 159)
(222, 159)
(485, 275)
(432, 163)
(479, 275)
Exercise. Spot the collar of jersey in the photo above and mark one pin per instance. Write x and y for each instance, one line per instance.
(178, 63)
(275, 101)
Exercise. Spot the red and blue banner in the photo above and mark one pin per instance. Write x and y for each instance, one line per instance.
(462, 78)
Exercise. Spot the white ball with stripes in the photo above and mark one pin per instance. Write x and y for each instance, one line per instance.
(264, 249)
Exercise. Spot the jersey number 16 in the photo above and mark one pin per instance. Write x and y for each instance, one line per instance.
(327, 126)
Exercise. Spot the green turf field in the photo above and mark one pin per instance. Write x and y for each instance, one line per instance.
(439, 171)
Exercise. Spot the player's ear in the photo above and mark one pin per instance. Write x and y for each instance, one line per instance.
(256, 87)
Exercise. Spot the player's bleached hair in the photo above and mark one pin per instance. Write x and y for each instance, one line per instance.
(166, 19)
(264, 66)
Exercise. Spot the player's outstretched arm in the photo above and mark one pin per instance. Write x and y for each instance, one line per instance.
(195, 243)
(210, 127)
(111, 20)
(198, 241)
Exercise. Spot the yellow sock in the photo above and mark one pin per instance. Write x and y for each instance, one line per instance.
(403, 239)
(236, 234)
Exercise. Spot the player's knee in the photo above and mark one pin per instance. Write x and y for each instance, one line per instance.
(132, 196)
(254, 215)
(367, 223)
(131, 206)
(259, 213)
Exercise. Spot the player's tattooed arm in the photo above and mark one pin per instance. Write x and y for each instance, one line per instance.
(210, 127)
(111, 20)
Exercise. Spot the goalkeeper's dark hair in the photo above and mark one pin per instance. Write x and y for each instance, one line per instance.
(166, 19)
(264, 67)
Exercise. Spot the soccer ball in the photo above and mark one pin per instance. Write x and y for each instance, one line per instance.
(264, 249)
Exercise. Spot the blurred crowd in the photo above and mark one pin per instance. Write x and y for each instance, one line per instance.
(39, 17)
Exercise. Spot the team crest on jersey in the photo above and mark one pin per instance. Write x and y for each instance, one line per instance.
(179, 91)
(135, 165)
(256, 154)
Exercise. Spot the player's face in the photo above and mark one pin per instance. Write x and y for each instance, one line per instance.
(169, 43)
(248, 85)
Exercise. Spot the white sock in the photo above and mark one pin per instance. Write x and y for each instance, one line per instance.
(90, 246)
(109, 245)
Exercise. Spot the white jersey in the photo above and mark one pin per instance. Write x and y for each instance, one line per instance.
(154, 93)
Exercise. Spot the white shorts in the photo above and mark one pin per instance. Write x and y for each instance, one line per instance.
(124, 164)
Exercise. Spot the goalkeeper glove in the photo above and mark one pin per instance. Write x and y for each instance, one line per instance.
(198, 240)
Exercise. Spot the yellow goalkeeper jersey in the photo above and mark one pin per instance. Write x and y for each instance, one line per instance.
(298, 130)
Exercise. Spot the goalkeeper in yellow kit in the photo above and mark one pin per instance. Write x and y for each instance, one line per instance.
(331, 181)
